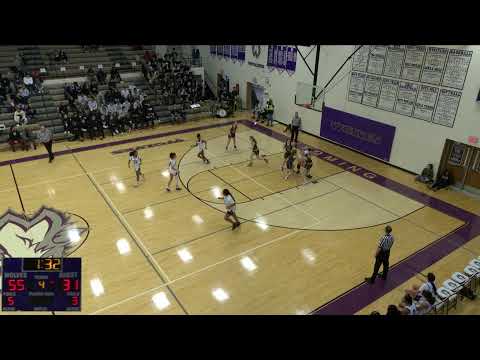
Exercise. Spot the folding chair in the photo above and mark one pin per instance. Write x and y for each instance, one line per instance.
(448, 297)
(474, 274)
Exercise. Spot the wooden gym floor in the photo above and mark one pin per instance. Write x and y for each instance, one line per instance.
(302, 247)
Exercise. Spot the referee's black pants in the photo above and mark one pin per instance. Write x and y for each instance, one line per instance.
(48, 146)
(294, 133)
(381, 259)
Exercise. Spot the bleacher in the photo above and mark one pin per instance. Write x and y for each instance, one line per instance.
(125, 58)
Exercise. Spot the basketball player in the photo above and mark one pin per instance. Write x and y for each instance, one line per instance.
(300, 155)
(289, 162)
(137, 162)
(255, 152)
(231, 135)
(229, 202)
(307, 165)
(173, 170)
(201, 147)
(287, 147)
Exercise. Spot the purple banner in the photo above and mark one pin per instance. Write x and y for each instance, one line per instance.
(274, 55)
(220, 50)
(234, 52)
(226, 51)
(359, 133)
(241, 53)
(291, 60)
(213, 50)
(270, 58)
(281, 52)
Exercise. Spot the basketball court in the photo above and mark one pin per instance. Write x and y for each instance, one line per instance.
(303, 247)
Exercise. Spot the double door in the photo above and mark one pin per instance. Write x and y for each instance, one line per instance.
(463, 163)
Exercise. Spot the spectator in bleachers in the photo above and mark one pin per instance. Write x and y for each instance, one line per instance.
(20, 117)
(23, 95)
(91, 74)
(93, 88)
(15, 138)
(115, 75)
(92, 105)
(61, 56)
(101, 76)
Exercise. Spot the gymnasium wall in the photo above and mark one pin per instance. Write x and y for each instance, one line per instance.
(416, 142)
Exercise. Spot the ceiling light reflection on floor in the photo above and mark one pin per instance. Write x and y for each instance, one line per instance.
(161, 301)
(309, 256)
(123, 246)
(248, 263)
(97, 287)
(220, 294)
(197, 219)
(120, 187)
(74, 235)
(148, 213)
(217, 192)
(185, 255)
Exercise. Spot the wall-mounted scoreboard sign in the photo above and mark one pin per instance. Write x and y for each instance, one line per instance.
(41, 284)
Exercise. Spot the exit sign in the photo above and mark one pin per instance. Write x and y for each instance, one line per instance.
(473, 139)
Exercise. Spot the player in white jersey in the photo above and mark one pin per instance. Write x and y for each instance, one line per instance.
(230, 205)
(201, 147)
(137, 162)
(173, 170)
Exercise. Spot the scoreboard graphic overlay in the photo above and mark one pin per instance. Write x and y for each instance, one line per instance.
(41, 284)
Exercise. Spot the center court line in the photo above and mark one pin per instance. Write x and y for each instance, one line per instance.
(202, 269)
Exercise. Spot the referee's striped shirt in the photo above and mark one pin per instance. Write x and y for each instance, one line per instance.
(386, 242)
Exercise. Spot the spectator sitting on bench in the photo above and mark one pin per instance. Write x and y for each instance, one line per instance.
(15, 138)
(426, 176)
(443, 181)
(61, 56)
(19, 117)
(101, 76)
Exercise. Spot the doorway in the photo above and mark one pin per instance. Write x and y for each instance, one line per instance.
(255, 95)
(463, 163)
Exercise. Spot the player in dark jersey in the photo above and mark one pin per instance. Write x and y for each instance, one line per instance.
(201, 147)
(231, 135)
(255, 152)
(289, 163)
(288, 148)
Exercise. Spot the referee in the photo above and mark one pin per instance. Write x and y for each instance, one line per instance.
(382, 255)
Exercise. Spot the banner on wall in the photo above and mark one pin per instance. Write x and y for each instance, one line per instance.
(226, 51)
(291, 60)
(270, 65)
(241, 53)
(359, 133)
(281, 52)
(213, 50)
(220, 50)
(234, 53)
(283, 58)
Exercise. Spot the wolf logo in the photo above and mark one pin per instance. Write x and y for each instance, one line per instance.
(46, 233)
